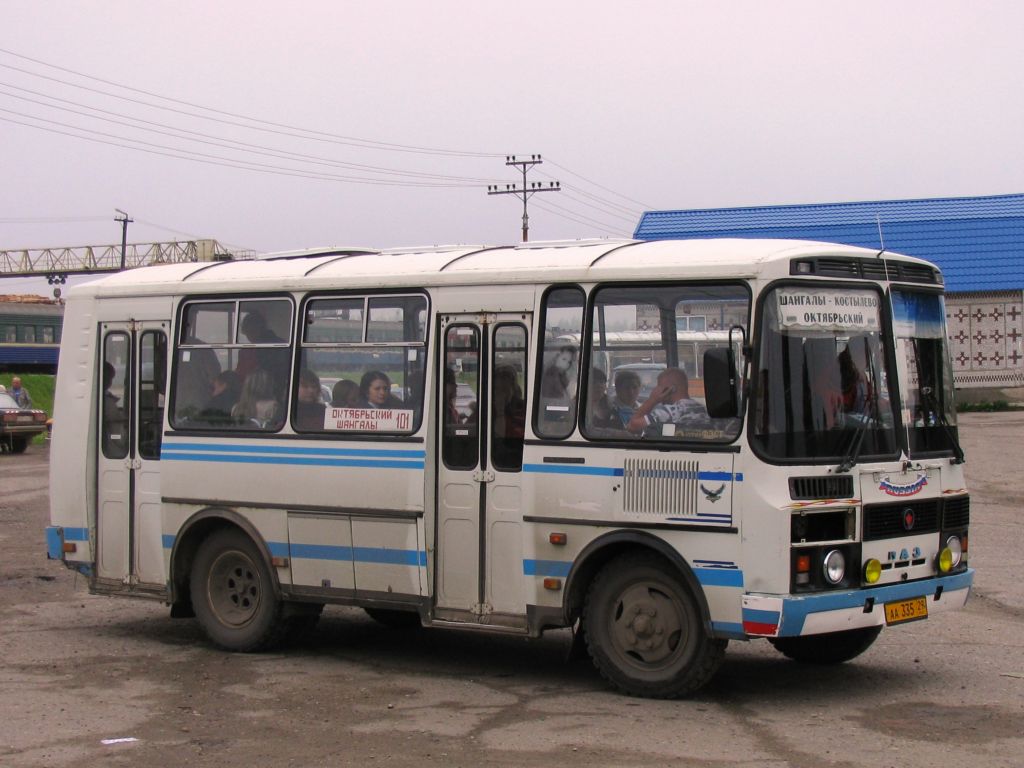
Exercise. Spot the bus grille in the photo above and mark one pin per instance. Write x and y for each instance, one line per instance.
(886, 521)
(660, 487)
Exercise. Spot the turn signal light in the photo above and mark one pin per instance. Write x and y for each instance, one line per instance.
(69, 547)
(552, 583)
(558, 539)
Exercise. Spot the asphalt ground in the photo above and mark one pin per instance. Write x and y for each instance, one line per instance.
(78, 670)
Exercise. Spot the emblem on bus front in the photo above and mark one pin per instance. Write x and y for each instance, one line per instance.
(908, 489)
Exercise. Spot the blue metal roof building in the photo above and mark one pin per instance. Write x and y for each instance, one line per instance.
(977, 242)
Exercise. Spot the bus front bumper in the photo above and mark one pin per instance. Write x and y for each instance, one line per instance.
(815, 614)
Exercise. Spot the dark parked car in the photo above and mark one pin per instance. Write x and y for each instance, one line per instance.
(18, 425)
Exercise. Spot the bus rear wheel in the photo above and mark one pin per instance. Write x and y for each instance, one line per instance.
(645, 632)
(233, 594)
(830, 648)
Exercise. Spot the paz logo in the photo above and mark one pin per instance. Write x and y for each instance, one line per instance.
(903, 490)
(714, 495)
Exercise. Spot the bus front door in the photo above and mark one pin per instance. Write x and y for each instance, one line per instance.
(132, 381)
(481, 419)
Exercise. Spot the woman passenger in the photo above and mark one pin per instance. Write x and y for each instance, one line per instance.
(375, 390)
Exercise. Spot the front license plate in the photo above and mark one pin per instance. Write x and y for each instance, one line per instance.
(906, 610)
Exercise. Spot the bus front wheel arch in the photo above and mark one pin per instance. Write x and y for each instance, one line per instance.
(234, 595)
(645, 631)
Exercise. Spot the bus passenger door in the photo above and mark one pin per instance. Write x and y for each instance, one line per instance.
(482, 412)
(132, 381)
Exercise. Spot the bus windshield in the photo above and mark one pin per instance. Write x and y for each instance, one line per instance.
(822, 385)
(929, 414)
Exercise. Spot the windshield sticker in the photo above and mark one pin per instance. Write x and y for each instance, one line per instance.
(808, 309)
(368, 419)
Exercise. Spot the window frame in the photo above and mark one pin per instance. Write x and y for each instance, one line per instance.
(179, 344)
(301, 345)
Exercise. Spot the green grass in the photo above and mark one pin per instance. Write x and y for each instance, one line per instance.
(40, 388)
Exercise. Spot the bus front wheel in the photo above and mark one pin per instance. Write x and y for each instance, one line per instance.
(830, 648)
(233, 594)
(644, 629)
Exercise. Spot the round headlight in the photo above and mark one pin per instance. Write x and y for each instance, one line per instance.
(956, 549)
(834, 567)
(872, 571)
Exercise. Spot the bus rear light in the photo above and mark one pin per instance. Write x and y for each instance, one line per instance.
(552, 583)
(40, 417)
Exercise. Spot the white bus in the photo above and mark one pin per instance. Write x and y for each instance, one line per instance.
(410, 431)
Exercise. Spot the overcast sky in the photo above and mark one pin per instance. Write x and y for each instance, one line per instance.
(273, 126)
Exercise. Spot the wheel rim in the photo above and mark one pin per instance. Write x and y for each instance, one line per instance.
(235, 588)
(649, 627)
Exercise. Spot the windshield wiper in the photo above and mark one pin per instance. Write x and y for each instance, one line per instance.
(856, 443)
(928, 394)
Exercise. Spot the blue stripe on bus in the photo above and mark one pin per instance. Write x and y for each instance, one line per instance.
(172, 455)
(757, 616)
(288, 450)
(76, 534)
(168, 540)
(380, 555)
(546, 568)
(719, 577)
(571, 469)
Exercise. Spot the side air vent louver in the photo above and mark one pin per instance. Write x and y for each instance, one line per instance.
(814, 488)
(957, 512)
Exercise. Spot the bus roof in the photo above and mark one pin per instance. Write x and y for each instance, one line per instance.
(578, 260)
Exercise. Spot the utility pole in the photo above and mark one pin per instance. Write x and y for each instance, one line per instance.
(125, 221)
(524, 192)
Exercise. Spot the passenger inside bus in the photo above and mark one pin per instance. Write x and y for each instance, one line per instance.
(258, 406)
(824, 387)
(856, 386)
(600, 412)
(345, 394)
(309, 410)
(227, 389)
(115, 419)
(375, 391)
(669, 407)
(627, 389)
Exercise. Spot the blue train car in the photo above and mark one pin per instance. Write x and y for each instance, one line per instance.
(30, 333)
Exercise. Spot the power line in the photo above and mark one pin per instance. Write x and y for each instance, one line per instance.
(186, 154)
(363, 143)
(175, 131)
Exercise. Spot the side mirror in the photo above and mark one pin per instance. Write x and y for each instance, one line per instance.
(720, 386)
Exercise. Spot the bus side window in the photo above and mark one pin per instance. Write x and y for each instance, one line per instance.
(116, 395)
(560, 363)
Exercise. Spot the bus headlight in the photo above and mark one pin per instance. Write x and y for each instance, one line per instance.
(834, 567)
(951, 554)
(872, 571)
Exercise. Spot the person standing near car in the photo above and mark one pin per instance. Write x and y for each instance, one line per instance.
(19, 393)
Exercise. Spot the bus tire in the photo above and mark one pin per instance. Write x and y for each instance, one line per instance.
(392, 618)
(830, 648)
(19, 444)
(644, 629)
(233, 594)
